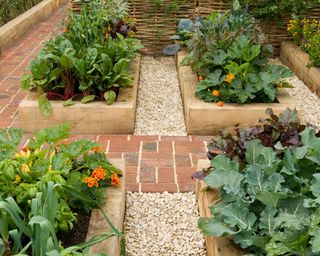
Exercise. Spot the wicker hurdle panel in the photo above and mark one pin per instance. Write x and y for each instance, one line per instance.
(156, 23)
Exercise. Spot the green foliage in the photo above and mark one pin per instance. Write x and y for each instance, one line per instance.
(9, 9)
(226, 49)
(90, 58)
(50, 179)
(269, 188)
(278, 9)
(306, 33)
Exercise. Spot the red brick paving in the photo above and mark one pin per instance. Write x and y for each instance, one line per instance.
(153, 163)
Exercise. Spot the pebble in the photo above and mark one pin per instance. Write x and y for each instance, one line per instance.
(163, 224)
(159, 104)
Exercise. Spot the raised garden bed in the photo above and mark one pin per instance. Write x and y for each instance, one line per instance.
(215, 246)
(15, 28)
(93, 117)
(297, 60)
(114, 208)
(206, 118)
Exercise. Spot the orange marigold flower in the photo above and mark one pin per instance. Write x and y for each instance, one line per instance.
(65, 29)
(115, 180)
(220, 103)
(215, 93)
(229, 78)
(99, 173)
(90, 181)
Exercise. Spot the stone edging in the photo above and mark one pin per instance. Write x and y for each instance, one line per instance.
(215, 246)
(297, 60)
(17, 27)
(114, 208)
(203, 118)
(93, 117)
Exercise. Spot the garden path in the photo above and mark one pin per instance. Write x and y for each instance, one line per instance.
(153, 163)
(159, 106)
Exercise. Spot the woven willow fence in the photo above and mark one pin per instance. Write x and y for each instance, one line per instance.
(156, 20)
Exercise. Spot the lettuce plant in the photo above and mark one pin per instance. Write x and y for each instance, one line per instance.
(269, 189)
(227, 50)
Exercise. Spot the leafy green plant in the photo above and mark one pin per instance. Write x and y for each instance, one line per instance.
(268, 180)
(306, 33)
(279, 9)
(89, 61)
(227, 51)
(35, 232)
(46, 159)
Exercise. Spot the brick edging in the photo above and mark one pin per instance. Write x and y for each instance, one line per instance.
(17, 27)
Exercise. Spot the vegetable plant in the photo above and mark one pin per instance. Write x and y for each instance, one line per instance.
(228, 52)
(269, 181)
(76, 170)
(89, 61)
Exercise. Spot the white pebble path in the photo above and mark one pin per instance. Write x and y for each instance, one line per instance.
(159, 106)
(162, 224)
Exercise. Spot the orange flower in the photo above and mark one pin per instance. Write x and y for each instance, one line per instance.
(215, 93)
(115, 180)
(220, 103)
(65, 29)
(229, 78)
(97, 149)
(200, 78)
(90, 181)
(99, 173)
(109, 29)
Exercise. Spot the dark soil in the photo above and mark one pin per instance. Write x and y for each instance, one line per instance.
(78, 233)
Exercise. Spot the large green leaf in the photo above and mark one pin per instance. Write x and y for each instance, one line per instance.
(87, 99)
(236, 215)
(121, 67)
(213, 227)
(251, 52)
(39, 69)
(44, 105)
(110, 96)
(25, 81)
(254, 150)
(267, 217)
(225, 175)
(212, 80)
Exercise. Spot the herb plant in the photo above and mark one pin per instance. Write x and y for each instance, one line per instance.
(226, 51)
(268, 180)
(89, 61)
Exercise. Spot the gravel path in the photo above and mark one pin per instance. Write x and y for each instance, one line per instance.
(159, 107)
(162, 224)
(306, 100)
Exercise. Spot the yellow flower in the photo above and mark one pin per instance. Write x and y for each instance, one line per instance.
(18, 178)
(23, 153)
(229, 78)
(25, 168)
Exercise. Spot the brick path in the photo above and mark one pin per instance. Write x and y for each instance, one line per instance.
(153, 163)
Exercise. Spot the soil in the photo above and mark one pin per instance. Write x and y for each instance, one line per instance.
(78, 233)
